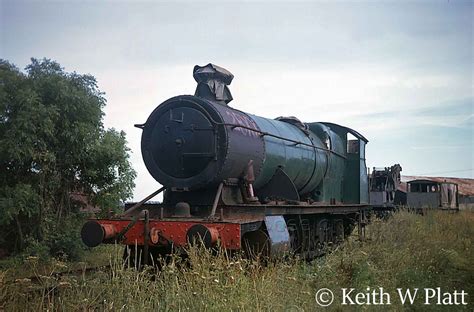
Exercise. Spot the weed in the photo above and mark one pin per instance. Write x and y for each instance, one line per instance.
(406, 251)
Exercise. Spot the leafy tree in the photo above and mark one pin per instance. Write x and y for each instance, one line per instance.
(53, 143)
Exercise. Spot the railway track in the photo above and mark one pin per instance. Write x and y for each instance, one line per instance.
(55, 279)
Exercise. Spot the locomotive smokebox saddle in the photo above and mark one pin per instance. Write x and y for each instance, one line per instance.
(212, 83)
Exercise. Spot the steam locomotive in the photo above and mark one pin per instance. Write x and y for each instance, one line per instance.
(240, 181)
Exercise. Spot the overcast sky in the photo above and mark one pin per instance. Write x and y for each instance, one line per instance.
(401, 73)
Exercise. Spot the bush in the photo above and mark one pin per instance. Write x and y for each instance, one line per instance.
(36, 249)
(64, 240)
(61, 241)
(52, 144)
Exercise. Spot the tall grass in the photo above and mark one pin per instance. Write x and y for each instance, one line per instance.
(407, 251)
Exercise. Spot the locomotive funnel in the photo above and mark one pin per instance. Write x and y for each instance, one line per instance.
(212, 83)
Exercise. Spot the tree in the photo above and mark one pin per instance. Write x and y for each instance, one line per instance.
(52, 143)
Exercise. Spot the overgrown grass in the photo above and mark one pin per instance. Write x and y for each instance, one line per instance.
(407, 251)
(23, 266)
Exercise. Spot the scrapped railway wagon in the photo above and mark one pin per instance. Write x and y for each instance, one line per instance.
(240, 181)
(383, 186)
(427, 194)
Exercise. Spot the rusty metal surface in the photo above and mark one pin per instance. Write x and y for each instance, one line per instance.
(227, 225)
(164, 233)
(383, 183)
(243, 213)
(385, 179)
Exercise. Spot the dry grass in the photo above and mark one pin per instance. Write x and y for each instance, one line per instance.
(407, 251)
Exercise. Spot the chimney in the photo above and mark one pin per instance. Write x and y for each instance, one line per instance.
(212, 83)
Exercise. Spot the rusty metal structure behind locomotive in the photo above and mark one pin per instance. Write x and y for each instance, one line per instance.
(240, 180)
(383, 186)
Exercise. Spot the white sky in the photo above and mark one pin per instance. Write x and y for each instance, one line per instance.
(401, 73)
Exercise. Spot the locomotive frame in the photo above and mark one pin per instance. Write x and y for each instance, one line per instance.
(270, 229)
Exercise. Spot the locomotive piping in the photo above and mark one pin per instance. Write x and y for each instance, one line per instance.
(127, 228)
(216, 200)
(139, 204)
(263, 133)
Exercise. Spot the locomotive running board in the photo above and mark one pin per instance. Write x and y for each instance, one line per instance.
(278, 210)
